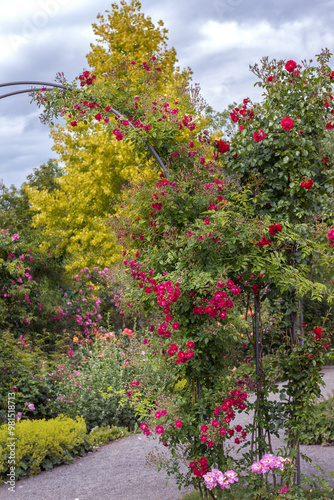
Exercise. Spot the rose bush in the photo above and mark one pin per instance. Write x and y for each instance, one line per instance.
(226, 224)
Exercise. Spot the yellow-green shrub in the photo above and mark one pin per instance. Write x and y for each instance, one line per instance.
(105, 434)
(40, 444)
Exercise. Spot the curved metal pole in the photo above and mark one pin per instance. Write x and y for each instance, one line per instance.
(9, 84)
(20, 92)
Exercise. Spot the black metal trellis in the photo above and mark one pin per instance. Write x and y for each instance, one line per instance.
(294, 339)
(63, 87)
(257, 361)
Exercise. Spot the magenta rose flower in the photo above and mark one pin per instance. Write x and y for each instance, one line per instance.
(331, 237)
(290, 66)
(259, 136)
(287, 123)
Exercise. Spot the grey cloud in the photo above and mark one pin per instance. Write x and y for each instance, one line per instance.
(23, 153)
(243, 11)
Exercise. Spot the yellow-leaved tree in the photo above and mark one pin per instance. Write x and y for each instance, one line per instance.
(132, 70)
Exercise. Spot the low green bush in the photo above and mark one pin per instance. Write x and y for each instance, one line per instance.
(318, 427)
(41, 444)
(103, 435)
(330, 359)
(94, 387)
(24, 371)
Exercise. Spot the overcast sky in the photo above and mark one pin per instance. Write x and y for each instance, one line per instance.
(218, 39)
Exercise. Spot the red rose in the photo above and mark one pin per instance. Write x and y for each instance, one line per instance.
(290, 66)
(259, 136)
(223, 146)
(261, 243)
(189, 354)
(269, 79)
(234, 116)
(307, 185)
(319, 333)
(287, 123)
(275, 228)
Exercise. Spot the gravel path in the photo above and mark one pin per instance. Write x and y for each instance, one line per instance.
(117, 472)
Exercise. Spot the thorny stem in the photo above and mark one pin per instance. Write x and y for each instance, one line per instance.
(200, 491)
